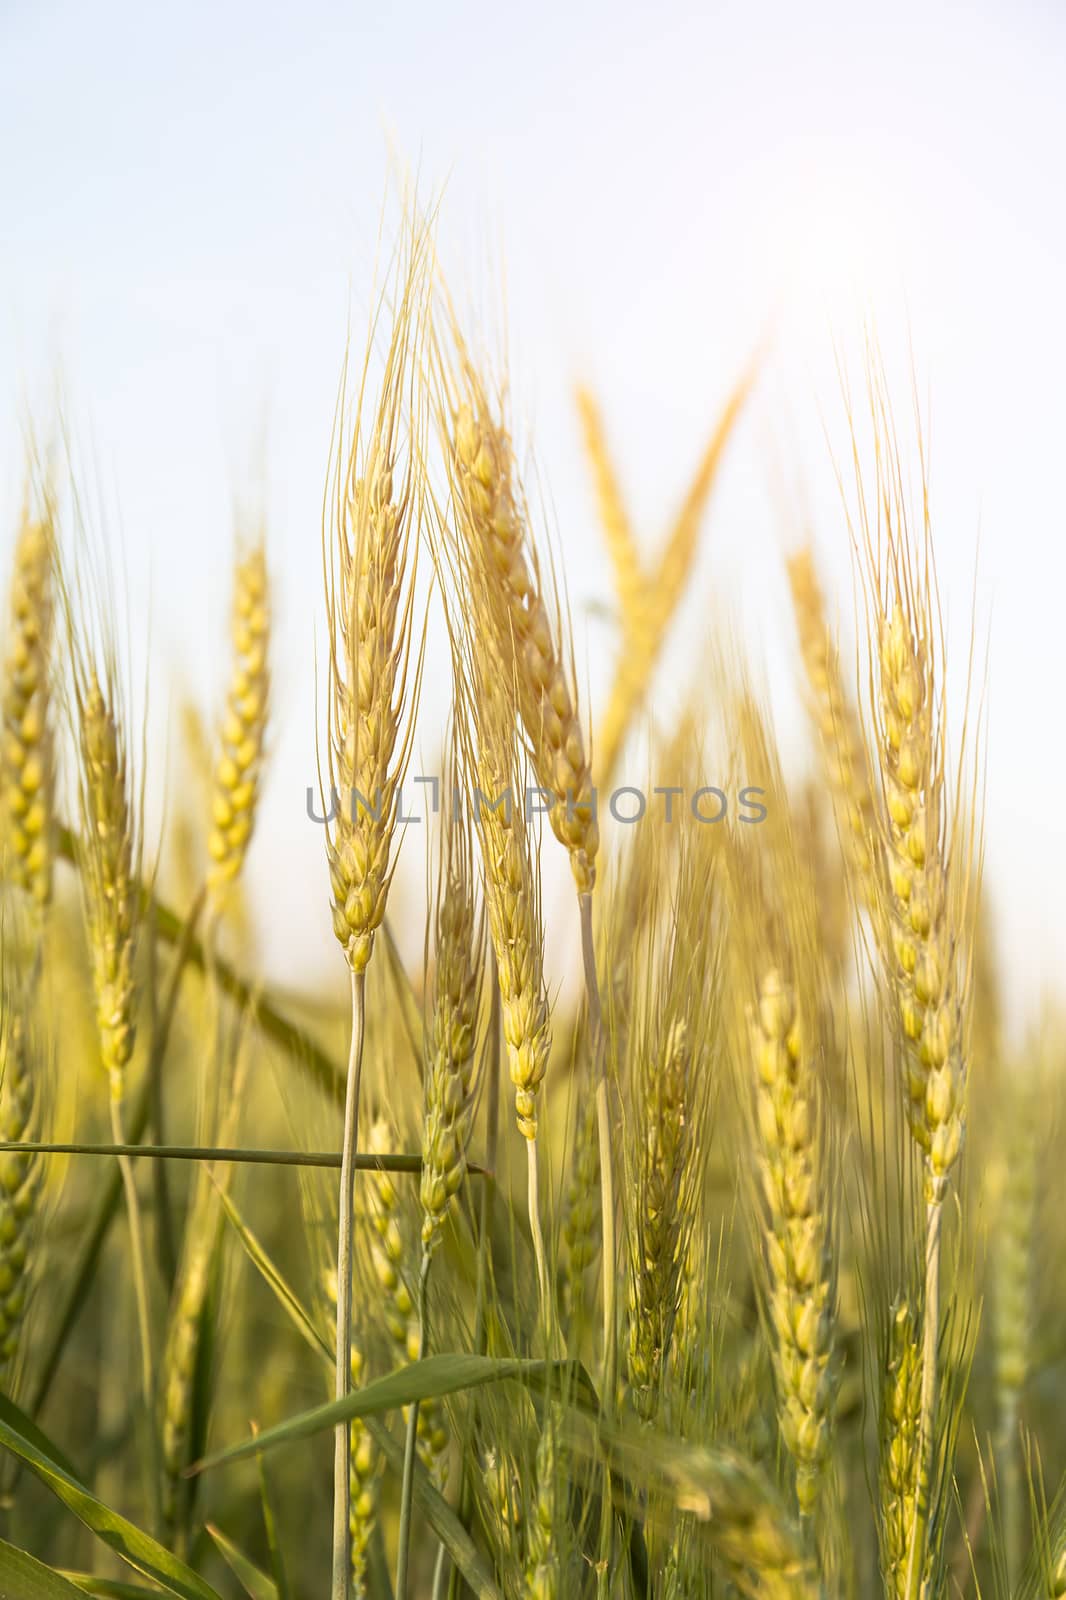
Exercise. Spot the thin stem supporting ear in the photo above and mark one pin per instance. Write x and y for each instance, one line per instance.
(342, 1490)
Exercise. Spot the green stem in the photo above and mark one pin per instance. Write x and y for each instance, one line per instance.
(597, 1044)
(927, 1423)
(78, 1291)
(603, 1131)
(544, 1290)
(403, 1552)
(272, 1024)
(484, 1245)
(342, 1487)
(140, 1290)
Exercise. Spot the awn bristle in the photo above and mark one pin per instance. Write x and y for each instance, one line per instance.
(26, 763)
(837, 723)
(629, 579)
(19, 1178)
(237, 772)
(649, 605)
(799, 1258)
(507, 595)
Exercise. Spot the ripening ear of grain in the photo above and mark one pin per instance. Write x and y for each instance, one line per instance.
(20, 1173)
(370, 541)
(504, 584)
(451, 1033)
(801, 1290)
(669, 1049)
(394, 1253)
(901, 1405)
(111, 855)
(925, 927)
(243, 731)
(26, 758)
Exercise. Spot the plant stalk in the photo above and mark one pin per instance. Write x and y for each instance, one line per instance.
(934, 1216)
(403, 1552)
(342, 1487)
(140, 1291)
(603, 1129)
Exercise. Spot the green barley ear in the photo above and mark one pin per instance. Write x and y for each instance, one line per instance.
(901, 1405)
(20, 1175)
(26, 756)
(541, 1580)
(668, 1070)
(238, 766)
(452, 1026)
(366, 1463)
(394, 1255)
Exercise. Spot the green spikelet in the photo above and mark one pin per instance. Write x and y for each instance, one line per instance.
(901, 1404)
(395, 1265)
(26, 760)
(19, 1182)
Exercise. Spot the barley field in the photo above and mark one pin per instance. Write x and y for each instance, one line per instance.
(694, 1232)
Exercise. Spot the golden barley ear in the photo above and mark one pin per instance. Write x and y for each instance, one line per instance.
(927, 849)
(109, 849)
(496, 558)
(238, 766)
(371, 531)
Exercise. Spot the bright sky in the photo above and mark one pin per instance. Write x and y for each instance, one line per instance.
(189, 204)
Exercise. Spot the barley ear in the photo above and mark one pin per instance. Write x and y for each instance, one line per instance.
(799, 1259)
(235, 787)
(505, 587)
(20, 1176)
(26, 756)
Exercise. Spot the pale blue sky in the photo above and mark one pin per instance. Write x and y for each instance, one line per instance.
(189, 202)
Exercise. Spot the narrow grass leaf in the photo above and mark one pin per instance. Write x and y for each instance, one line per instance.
(23, 1577)
(285, 1295)
(430, 1379)
(254, 1582)
(136, 1548)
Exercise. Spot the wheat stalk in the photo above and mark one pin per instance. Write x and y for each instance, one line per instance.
(369, 560)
